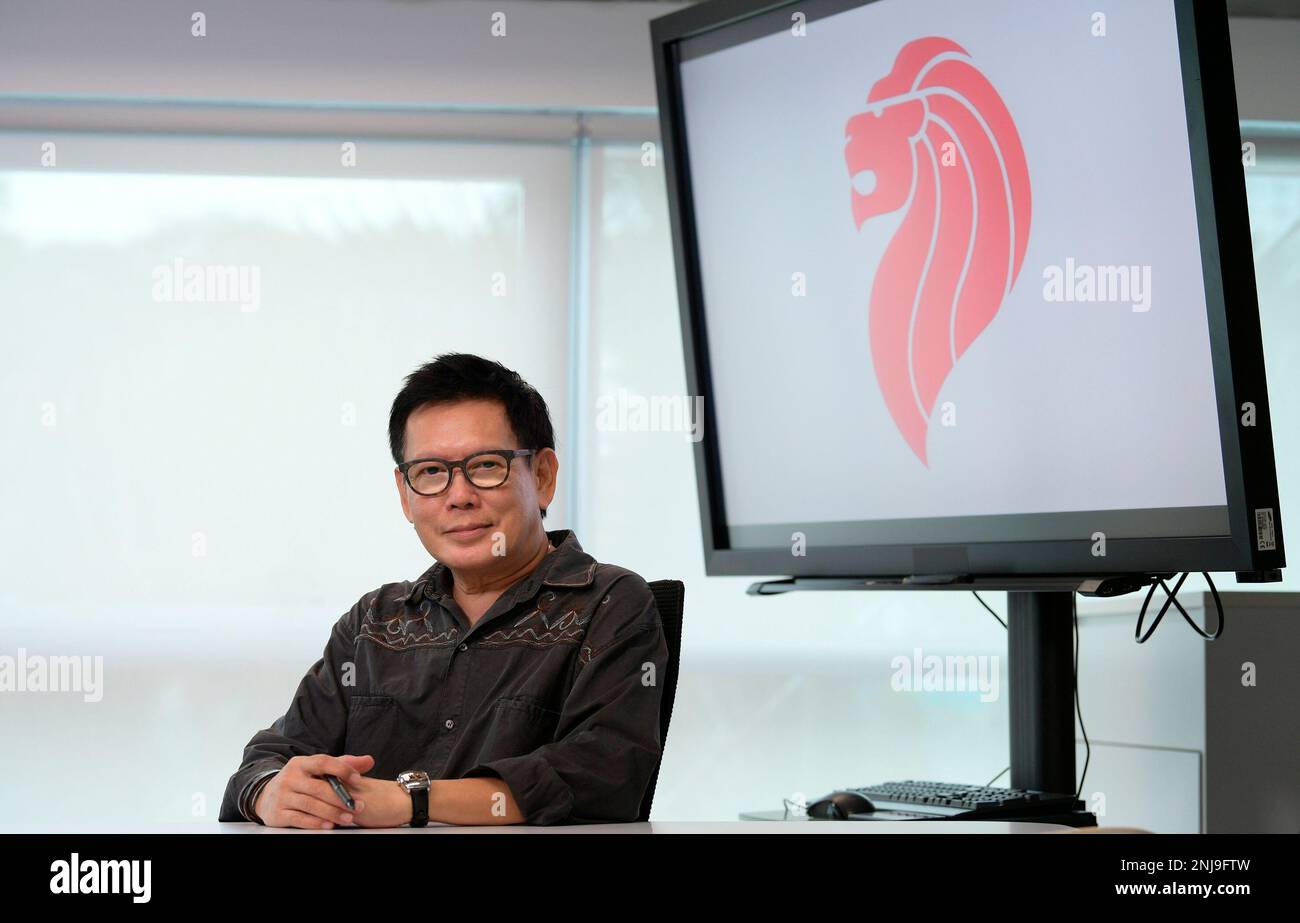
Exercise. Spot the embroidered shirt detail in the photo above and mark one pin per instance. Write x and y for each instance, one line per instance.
(399, 633)
(538, 629)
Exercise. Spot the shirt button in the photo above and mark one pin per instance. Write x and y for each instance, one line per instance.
(464, 647)
(449, 724)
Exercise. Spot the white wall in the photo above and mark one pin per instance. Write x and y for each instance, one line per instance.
(569, 54)
(1266, 64)
(554, 53)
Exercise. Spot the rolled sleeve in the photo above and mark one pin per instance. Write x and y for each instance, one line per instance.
(315, 722)
(250, 793)
(607, 741)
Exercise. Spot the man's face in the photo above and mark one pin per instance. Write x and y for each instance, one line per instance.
(509, 512)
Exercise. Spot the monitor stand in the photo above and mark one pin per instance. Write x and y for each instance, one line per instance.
(1040, 674)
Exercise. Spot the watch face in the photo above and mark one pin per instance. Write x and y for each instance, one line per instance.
(413, 778)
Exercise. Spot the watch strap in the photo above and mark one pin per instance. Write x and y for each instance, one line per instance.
(419, 807)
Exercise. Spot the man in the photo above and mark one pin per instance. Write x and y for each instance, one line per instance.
(518, 672)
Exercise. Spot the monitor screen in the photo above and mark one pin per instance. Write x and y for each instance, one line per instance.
(950, 264)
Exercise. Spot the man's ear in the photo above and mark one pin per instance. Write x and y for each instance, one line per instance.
(545, 474)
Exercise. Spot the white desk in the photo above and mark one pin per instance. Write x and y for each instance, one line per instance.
(854, 828)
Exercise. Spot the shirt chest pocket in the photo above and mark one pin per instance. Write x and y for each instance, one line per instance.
(375, 729)
(517, 726)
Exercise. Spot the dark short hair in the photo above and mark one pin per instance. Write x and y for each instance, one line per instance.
(463, 376)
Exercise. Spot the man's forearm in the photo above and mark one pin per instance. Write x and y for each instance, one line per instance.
(479, 801)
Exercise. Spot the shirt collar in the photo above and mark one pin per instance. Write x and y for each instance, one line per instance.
(567, 566)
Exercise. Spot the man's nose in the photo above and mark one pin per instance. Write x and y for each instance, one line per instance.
(462, 490)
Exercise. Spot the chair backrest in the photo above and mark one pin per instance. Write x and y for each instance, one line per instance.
(669, 596)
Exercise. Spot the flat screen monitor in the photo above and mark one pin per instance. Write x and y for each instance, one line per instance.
(967, 288)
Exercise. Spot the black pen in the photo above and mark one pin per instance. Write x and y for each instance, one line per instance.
(341, 791)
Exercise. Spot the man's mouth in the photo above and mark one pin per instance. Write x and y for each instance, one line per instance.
(467, 531)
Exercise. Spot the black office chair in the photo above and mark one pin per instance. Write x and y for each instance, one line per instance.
(669, 597)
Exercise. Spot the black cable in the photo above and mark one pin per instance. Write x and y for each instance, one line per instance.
(1087, 747)
(1172, 597)
(991, 612)
(1004, 625)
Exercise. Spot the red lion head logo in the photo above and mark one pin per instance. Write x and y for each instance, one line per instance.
(936, 138)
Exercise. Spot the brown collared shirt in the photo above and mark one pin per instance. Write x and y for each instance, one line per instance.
(556, 690)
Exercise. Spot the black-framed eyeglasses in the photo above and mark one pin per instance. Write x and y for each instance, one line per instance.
(429, 477)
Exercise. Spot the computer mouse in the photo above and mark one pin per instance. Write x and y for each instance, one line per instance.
(839, 805)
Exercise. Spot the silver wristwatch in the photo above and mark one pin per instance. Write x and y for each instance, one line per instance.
(416, 782)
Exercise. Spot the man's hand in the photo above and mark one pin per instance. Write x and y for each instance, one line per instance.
(298, 796)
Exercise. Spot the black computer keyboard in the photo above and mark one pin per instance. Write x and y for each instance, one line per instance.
(953, 800)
